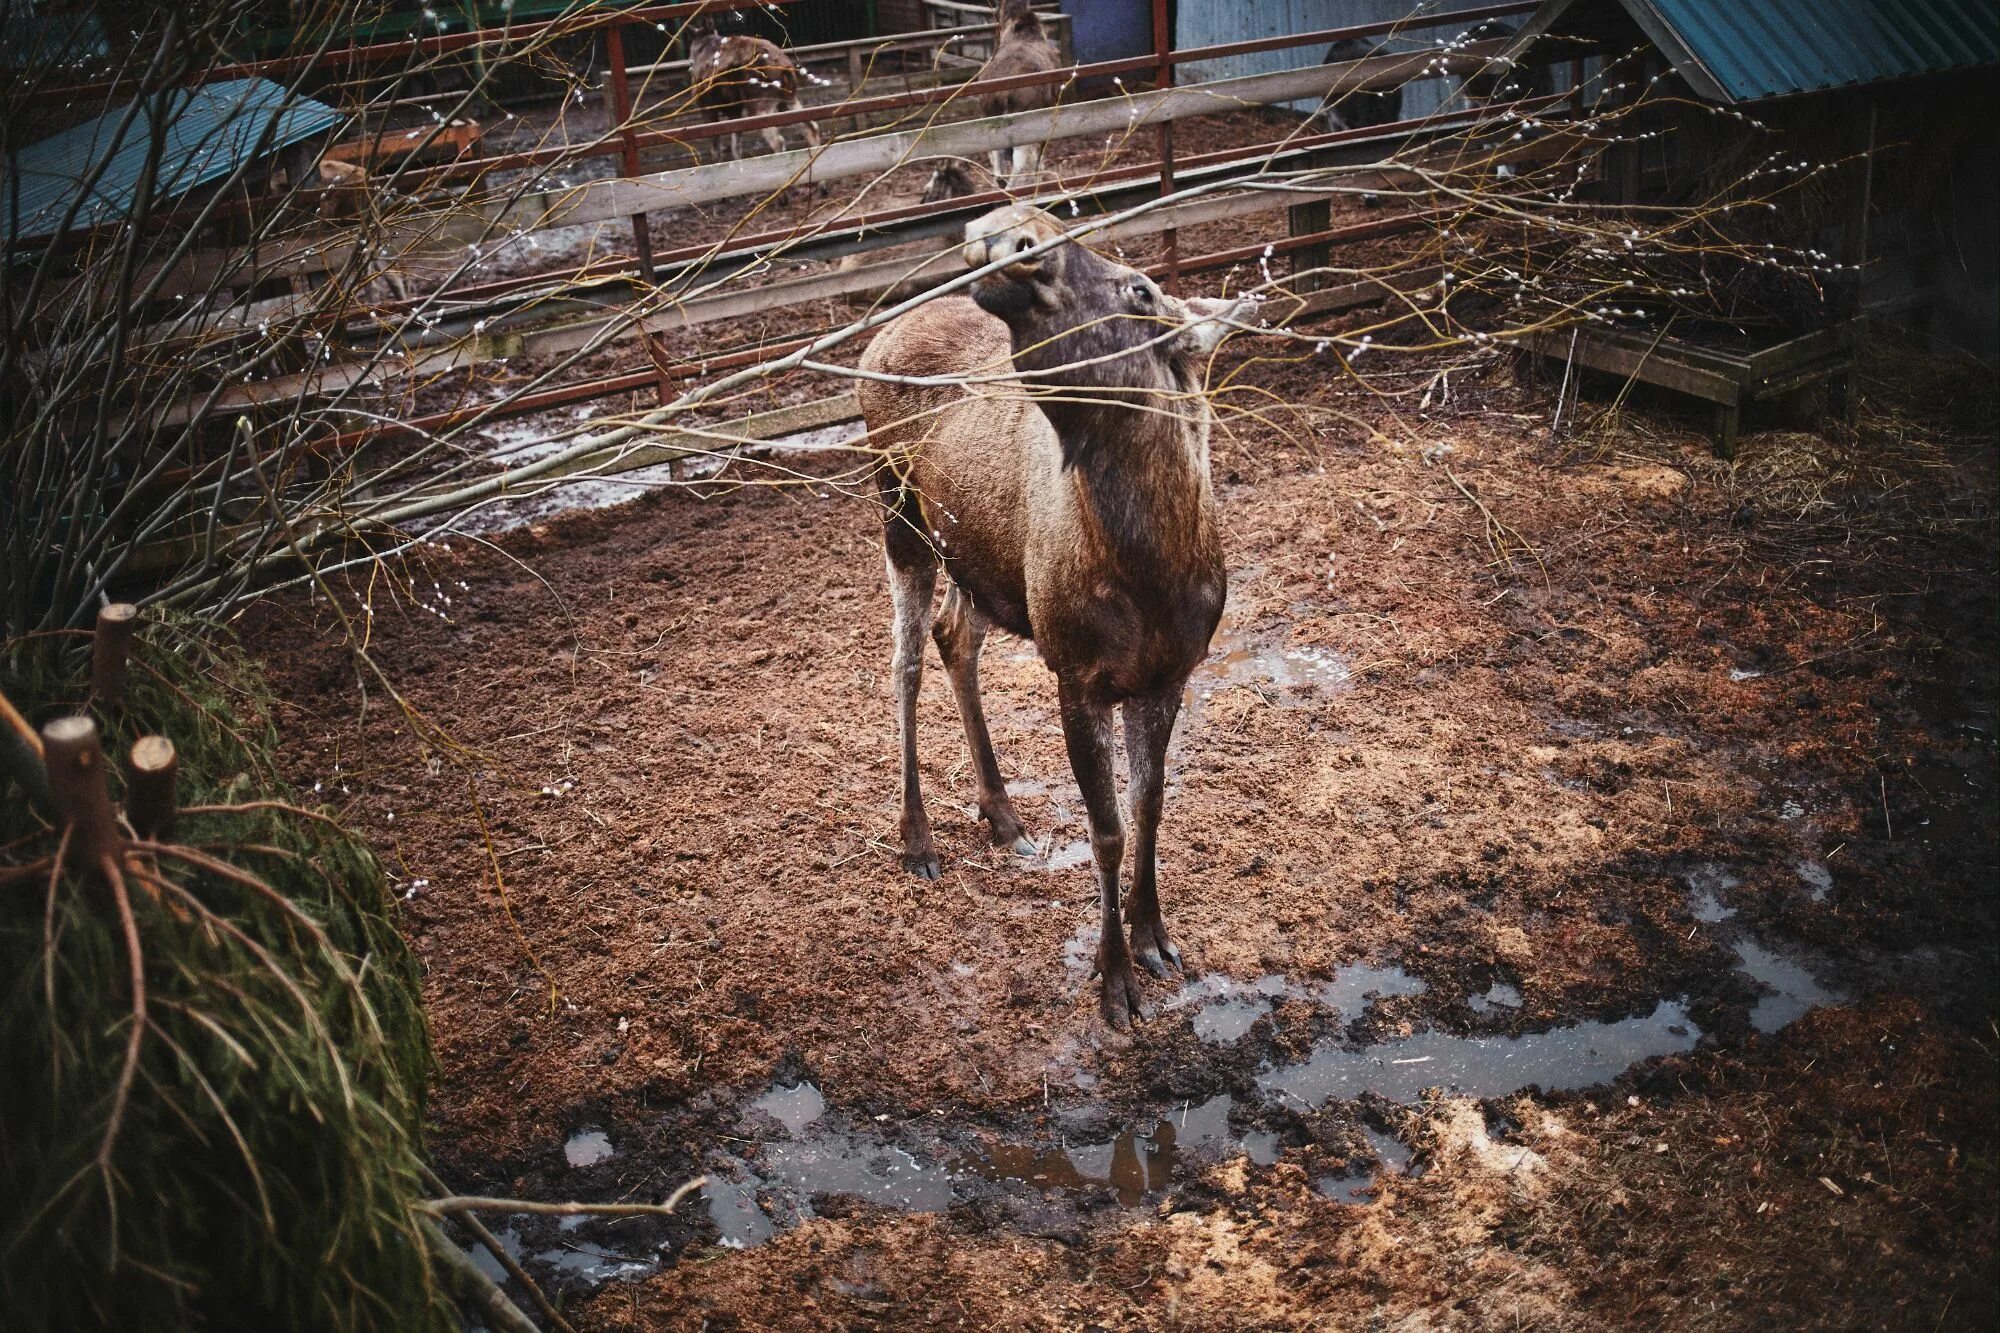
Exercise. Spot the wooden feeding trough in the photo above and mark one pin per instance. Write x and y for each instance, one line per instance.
(1730, 379)
(458, 140)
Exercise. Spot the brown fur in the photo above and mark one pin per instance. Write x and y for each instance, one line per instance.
(1066, 504)
(734, 76)
(1020, 47)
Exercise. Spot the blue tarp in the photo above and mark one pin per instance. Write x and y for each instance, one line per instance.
(209, 131)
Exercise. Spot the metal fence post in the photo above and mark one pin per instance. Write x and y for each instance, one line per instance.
(1163, 45)
(642, 237)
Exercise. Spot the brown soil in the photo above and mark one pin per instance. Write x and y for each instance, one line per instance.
(1579, 672)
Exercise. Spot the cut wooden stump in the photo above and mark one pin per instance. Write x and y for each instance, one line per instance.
(75, 762)
(110, 652)
(150, 801)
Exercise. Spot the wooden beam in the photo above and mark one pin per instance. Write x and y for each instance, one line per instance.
(553, 338)
(595, 201)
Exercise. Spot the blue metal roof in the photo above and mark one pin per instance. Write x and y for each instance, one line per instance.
(1740, 51)
(210, 130)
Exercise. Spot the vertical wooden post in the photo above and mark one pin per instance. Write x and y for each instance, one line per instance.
(642, 236)
(1305, 219)
(150, 801)
(110, 651)
(75, 763)
(1163, 77)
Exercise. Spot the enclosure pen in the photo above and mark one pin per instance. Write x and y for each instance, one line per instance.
(384, 837)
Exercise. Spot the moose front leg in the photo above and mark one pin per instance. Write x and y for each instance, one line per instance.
(1149, 725)
(1086, 727)
(911, 586)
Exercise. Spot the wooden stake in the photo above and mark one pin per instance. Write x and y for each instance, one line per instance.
(109, 653)
(150, 803)
(75, 763)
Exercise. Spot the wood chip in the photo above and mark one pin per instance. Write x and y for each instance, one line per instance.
(1832, 1188)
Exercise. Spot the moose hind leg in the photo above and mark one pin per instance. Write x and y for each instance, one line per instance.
(1027, 166)
(960, 632)
(1149, 725)
(1086, 727)
(910, 588)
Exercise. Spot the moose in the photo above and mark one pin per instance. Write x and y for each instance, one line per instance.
(1046, 446)
(733, 75)
(1020, 47)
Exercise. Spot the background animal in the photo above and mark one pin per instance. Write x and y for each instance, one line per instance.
(733, 75)
(1020, 47)
(1359, 110)
(1069, 503)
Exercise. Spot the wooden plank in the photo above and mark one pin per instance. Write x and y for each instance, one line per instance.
(553, 338)
(1619, 359)
(1773, 361)
(596, 201)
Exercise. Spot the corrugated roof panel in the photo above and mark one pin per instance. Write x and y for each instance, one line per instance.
(1753, 51)
(209, 132)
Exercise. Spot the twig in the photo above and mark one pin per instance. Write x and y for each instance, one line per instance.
(465, 1218)
(481, 1204)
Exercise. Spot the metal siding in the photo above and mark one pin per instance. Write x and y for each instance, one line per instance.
(1209, 24)
(1110, 29)
(214, 128)
(1757, 51)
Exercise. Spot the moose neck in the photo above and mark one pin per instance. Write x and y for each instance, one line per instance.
(1141, 479)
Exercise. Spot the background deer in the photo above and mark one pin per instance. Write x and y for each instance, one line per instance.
(1068, 503)
(1019, 47)
(733, 75)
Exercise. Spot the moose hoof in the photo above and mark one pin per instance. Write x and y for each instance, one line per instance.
(1153, 950)
(1120, 1002)
(924, 865)
(1024, 847)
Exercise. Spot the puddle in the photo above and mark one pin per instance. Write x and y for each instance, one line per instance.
(1131, 1165)
(1358, 1183)
(794, 1108)
(1067, 856)
(732, 1206)
(510, 1241)
(1235, 657)
(832, 1161)
(1353, 988)
(1576, 1055)
(597, 1266)
(1817, 879)
(1794, 990)
(514, 444)
(819, 1152)
(1226, 1009)
(1706, 883)
(1498, 996)
(588, 1148)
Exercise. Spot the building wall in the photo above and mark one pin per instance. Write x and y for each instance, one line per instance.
(1209, 24)
(1114, 29)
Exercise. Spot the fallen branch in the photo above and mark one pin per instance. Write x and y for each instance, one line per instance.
(456, 1203)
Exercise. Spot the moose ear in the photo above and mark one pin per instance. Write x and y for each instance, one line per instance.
(1211, 319)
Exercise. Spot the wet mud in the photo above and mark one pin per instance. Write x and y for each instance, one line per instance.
(1599, 939)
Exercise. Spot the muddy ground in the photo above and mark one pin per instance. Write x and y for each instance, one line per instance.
(1585, 849)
